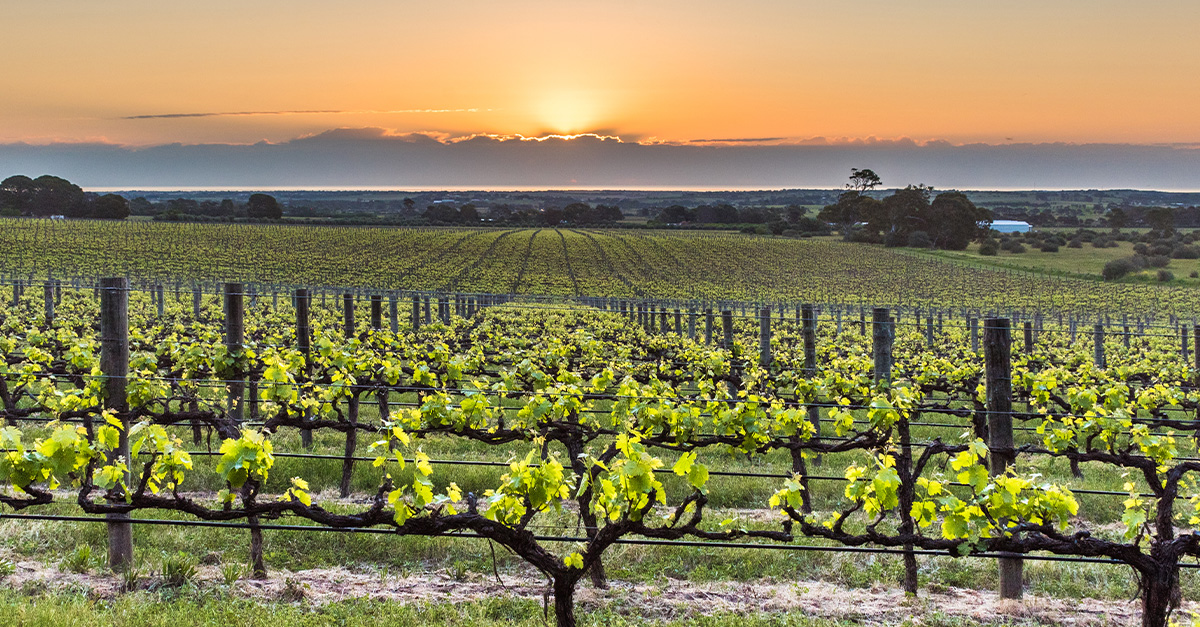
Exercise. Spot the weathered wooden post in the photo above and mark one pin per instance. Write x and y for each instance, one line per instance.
(48, 296)
(883, 337)
(727, 327)
(1098, 348)
(376, 312)
(1028, 328)
(348, 315)
(881, 346)
(234, 329)
(764, 337)
(394, 313)
(304, 345)
(997, 356)
(416, 313)
(708, 326)
(808, 319)
(114, 366)
(234, 334)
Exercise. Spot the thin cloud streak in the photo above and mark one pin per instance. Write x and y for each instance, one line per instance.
(230, 114)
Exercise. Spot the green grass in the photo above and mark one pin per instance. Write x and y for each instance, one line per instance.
(1086, 262)
(149, 610)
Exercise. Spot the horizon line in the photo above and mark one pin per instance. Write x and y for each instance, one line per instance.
(108, 189)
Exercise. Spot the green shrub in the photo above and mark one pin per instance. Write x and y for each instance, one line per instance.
(1118, 268)
(919, 239)
(1185, 251)
(1165, 275)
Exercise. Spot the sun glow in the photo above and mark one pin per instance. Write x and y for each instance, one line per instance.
(568, 111)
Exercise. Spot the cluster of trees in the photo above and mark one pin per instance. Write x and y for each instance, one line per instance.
(912, 216)
(47, 196)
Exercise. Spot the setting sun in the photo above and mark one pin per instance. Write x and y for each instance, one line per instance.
(568, 110)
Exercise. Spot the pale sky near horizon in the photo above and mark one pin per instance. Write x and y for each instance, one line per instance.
(962, 71)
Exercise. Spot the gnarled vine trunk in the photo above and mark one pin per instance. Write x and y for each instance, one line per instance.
(564, 601)
(1160, 594)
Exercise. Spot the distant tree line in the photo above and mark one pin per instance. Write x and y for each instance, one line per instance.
(1154, 218)
(912, 216)
(576, 213)
(47, 196)
(257, 207)
(775, 220)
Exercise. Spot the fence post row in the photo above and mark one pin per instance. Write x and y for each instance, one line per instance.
(114, 367)
(997, 361)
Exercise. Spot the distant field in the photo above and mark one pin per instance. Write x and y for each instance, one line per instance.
(1086, 262)
(616, 263)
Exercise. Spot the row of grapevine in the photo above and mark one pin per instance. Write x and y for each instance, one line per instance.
(613, 422)
(684, 266)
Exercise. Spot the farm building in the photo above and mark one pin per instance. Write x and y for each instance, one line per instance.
(1010, 226)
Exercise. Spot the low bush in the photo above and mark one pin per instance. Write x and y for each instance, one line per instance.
(1118, 268)
(1185, 251)
(919, 239)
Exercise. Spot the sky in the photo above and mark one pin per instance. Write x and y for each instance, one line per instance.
(93, 88)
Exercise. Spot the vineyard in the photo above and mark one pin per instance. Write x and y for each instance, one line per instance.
(564, 431)
(681, 266)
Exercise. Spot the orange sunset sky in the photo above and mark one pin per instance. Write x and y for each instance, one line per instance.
(123, 71)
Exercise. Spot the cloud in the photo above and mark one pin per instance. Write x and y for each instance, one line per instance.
(738, 140)
(229, 114)
(376, 157)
